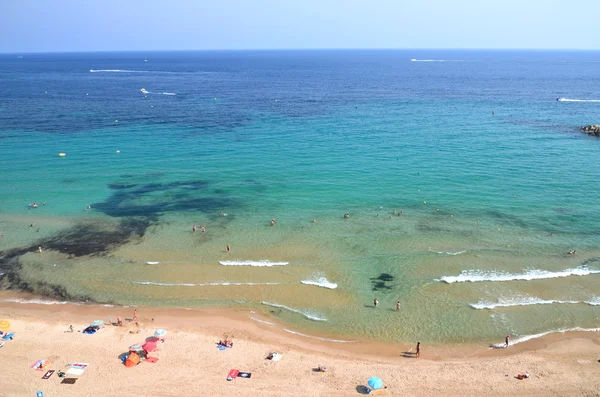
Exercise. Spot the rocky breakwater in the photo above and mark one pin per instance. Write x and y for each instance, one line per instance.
(592, 130)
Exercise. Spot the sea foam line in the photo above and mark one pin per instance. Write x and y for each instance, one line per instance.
(263, 263)
(261, 321)
(319, 280)
(306, 314)
(518, 302)
(36, 301)
(577, 100)
(476, 275)
(217, 283)
(450, 252)
(535, 336)
(316, 337)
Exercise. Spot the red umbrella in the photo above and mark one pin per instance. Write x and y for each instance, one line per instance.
(149, 346)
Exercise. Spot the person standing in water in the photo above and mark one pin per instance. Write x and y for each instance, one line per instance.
(398, 305)
(194, 228)
(418, 354)
(228, 248)
(375, 302)
(506, 341)
(202, 228)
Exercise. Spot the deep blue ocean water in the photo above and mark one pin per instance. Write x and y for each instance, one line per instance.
(492, 175)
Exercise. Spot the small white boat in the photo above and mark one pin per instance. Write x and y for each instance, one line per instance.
(153, 263)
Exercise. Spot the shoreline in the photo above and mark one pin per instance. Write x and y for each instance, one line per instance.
(254, 325)
(558, 364)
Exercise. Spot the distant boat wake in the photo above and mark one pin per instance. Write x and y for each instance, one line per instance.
(577, 100)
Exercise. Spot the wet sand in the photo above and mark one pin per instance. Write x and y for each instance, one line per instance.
(190, 363)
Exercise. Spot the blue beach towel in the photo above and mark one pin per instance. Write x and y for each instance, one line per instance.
(39, 393)
(8, 336)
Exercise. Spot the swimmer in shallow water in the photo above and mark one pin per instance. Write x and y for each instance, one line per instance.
(572, 252)
(202, 228)
(272, 222)
(228, 248)
(346, 216)
(314, 220)
(194, 228)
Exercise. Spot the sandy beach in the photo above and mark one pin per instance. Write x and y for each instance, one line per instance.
(191, 364)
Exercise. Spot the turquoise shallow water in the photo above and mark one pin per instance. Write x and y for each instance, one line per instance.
(293, 136)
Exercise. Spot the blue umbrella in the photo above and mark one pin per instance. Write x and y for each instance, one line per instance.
(97, 323)
(137, 346)
(375, 383)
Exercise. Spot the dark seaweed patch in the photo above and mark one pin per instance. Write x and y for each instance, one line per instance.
(379, 283)
(153, 199)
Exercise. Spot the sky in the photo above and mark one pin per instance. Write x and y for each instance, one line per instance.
(145, 25)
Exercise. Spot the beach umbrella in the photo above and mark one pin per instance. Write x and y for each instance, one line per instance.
(149, 346)
(160, 332)
(137, 346)
(97, 323)
(375, 383)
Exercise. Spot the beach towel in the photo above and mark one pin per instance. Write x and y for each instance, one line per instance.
(151, 360)
(69, 381)
(233, 374)
(39, 393)
(8, 336)
(77, 369)
(246, 375)
(48, 374)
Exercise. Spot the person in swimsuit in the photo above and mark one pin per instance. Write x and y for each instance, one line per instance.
(506, 341)
(418, 354)
(375, 302)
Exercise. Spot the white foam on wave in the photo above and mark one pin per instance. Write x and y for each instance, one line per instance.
(213, 284)
(477, 275)
(450, 252)
(319, 280)
(316, 337)
(261, 321)
(263, 263)
(595, 301)
(517, 302)
(144, 91)
(436, 60)
(305, 313)
(577, 100)
(117, 71)
(169, 93)
(535, 336)
(36, 301)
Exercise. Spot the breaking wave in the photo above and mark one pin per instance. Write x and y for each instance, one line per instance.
(319, 280)
(476, 275)
(436, 60)
(577, 100)
(305, 313)
(264, 263)
(36, 301)
(218, 283)
(118, 71)
(316, 337)
(450, 252)
(517, 302)
(535, 336)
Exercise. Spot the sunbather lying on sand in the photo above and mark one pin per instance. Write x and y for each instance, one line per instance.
(226, 343)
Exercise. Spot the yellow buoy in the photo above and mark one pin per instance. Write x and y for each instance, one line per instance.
(424, 202)
(498, 229)
(4, 325)
(62, 154)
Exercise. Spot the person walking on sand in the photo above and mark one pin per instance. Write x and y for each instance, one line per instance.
(375, 302)
(398, 305)
(506, 341)
(418, 354)
(135, 317)
(228, 248)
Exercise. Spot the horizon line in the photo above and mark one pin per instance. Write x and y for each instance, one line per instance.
(300, 49)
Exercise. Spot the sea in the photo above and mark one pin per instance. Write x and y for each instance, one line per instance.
(464, 176)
